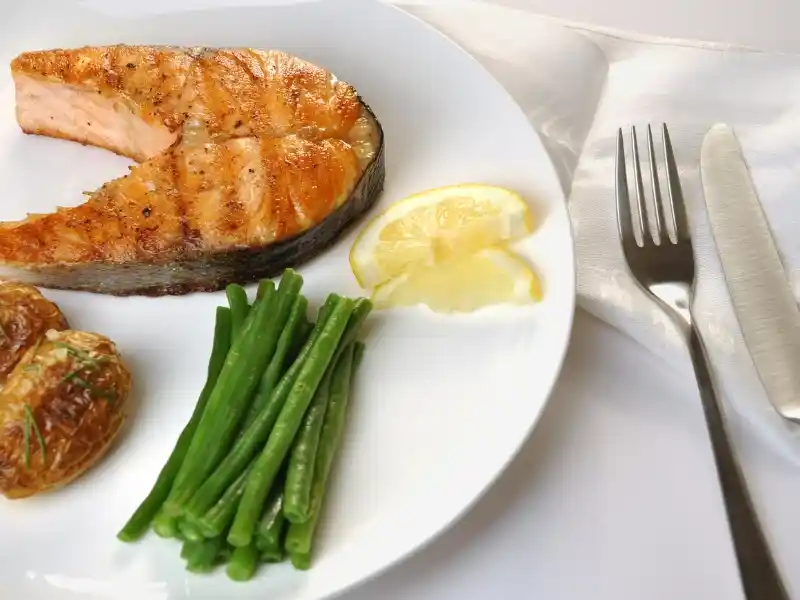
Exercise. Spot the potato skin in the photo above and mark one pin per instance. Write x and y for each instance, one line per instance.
(25, 316)
(76, 388)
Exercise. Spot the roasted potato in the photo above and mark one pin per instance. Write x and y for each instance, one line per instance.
(61, 407)
(25, 316)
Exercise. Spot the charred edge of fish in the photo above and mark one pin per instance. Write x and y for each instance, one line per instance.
(213, 271)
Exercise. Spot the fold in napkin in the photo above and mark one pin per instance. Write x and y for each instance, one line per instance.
(577, 86)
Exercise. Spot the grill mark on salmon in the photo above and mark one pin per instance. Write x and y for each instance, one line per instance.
(251, 161)
(207, 218)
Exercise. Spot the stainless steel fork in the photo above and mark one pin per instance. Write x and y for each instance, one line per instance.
(664, 267)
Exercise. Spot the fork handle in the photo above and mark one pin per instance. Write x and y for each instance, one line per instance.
(760, 577)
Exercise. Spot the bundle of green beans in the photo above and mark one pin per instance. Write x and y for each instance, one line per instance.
(245, 483)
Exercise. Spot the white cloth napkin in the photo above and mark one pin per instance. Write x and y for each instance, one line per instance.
(578, 89)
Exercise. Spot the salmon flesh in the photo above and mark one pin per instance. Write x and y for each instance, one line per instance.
(250, 161)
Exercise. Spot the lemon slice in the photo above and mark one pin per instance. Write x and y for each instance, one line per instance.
(436, 226)
(487, 277)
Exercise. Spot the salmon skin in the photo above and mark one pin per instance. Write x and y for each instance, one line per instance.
(250, 161)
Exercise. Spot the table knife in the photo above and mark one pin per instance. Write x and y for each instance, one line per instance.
(763, 301)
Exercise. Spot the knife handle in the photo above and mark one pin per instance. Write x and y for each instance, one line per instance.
(760, 577)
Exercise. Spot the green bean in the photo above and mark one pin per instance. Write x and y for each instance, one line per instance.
(305, 329)
(300, 473)
(203, 558)
(263, 286)
(189, 530)
(189, 548)
(277, 364)
(299, 538)
(272, 555)
(219, 516)
(138, 523)
(300, 560)
(243, 563)
(297, 504)
(280, 440)
(322, 316)
(361, 310)
(269, 536)
(237, 300)
(224, 554)
(248, 444)
(249, 355)
(358, 356)
(165, 526)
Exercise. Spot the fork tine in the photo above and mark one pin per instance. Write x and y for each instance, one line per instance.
(641, 202)
(658, 203)
(676, 202)
(624, 218)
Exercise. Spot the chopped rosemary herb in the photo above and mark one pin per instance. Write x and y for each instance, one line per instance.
(78, 353)
(107, 395)
(79, 381)
(31, 424)
(87, 359)
(72, 374)
(33, 366)
(87, 362)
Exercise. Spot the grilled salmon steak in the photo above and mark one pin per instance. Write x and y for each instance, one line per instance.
(250, 161)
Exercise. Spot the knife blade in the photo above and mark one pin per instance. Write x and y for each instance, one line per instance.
(763, 301)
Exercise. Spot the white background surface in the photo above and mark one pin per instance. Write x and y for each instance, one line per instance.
(615, 496)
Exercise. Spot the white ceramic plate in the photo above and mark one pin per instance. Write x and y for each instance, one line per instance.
(442, 405)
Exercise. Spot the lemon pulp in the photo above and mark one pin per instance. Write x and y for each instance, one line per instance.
(465, 284)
